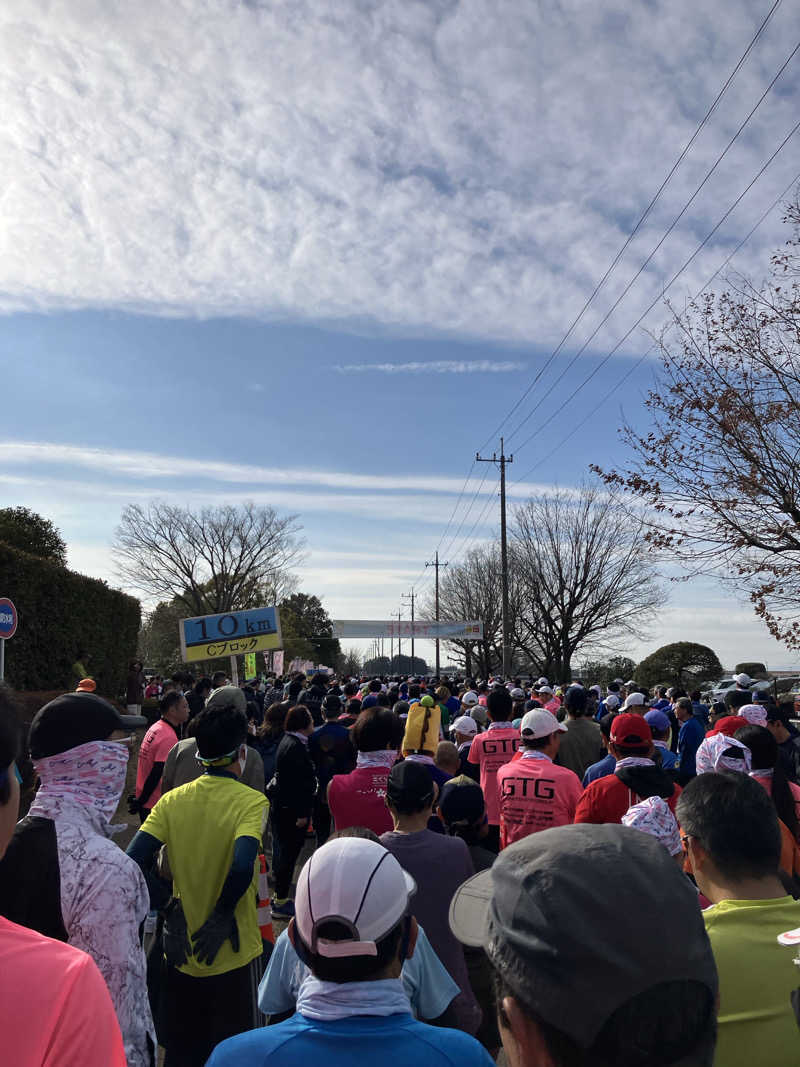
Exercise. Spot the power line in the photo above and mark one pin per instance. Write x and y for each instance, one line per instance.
(635, 229)
(661, 241)
(642, 358)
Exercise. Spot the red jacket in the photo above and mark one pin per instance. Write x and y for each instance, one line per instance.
(607, 799)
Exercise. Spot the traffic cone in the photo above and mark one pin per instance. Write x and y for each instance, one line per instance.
(264, 908)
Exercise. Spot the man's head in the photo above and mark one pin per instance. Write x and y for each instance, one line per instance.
(730, 832)
(565, 916)
(659, 724)
(778, 717)
(630, 736)
(410, 790)
(220, 731)
(352, 921)
(174, 708)
(683, 709)
(331, 706)
(499, 705)
(541, 731)
(634, 703)
(575, 700)
(447, 758)
(464, 729)
(218, 679)
(738, 698)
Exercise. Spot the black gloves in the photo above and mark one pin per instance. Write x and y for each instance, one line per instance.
(209, 939)
(175, 935)
(134, 805)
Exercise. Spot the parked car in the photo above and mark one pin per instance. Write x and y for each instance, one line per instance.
(725, 685)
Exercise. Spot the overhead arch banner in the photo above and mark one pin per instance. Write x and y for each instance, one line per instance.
(471, 630)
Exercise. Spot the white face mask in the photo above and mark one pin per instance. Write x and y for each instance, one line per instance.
(242, 758)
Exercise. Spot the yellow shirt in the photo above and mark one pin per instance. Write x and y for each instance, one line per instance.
(757, 1027)
(199, 823)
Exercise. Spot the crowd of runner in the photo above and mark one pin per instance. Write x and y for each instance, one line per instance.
(456, 870)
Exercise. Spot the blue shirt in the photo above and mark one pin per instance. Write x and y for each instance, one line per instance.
(669, 759)
(603, 767)
(689, 740)
(428, 986)
(390, 1040)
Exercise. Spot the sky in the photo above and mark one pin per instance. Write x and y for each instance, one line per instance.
(313, 254)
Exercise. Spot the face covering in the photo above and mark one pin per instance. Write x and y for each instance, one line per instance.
(91, 776)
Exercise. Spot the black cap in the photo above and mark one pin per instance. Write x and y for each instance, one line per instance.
(462, 802)
(76, 719)
(409, 783)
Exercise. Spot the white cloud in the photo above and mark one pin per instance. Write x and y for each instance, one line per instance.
(434, 366)
(420, 165)
(142, 465)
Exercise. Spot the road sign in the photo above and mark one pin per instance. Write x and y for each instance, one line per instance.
(471, 630)
(8, 618)
(231, 634)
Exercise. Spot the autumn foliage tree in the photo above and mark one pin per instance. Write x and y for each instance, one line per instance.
(718, 467)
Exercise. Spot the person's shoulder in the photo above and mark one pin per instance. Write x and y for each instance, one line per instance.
(452, 1046)
(257, 1047)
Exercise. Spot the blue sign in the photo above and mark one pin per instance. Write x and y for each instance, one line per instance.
(230, 634)
(8, 618)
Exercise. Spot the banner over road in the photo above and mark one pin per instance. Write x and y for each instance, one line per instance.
(471, 630)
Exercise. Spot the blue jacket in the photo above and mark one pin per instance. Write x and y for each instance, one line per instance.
(600, 769)
(689, 740)
(390, 1040)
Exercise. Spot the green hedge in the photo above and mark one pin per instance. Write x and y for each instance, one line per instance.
(60, 612)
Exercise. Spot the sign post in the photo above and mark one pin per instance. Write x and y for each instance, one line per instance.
(231, 634)
(8, 627)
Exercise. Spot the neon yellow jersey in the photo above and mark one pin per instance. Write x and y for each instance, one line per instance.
(199, 823)
(756, 979)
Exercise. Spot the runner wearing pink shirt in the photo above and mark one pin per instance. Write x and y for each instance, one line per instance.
(534, 793)
(490, 751)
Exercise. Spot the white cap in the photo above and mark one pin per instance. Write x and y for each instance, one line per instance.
(469, 699)
(743, 680)
(544, 689)
(542, 681)
(465, 724)
(517, 694)
(356, 883)
(596, 689)
(540, 723)
(612, 700)
(634, 700)
(630, 683)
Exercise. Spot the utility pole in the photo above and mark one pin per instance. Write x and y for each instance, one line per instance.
(502, 460)
(412, 597)
(437, 565)
(399, 617)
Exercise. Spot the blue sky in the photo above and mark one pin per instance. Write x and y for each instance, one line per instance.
(311, 254)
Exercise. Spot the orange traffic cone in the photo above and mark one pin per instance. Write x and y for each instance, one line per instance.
(264, 908)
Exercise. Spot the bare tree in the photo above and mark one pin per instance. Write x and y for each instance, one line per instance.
(582, 577)
(215, 560)
(719, 465)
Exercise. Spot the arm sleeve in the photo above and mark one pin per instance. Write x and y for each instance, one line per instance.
(86, 1030)
(583, 810)
(143, 848)
(240, 875)
(152, 780)
(474, 751)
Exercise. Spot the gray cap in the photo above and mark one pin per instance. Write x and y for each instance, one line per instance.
(227, 695)
(566, 916)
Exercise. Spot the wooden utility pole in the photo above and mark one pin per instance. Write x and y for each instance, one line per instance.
(502, 460)
(437, 565)
(412, 597)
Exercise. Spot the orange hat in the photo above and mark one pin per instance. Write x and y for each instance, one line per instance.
(86, 685)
